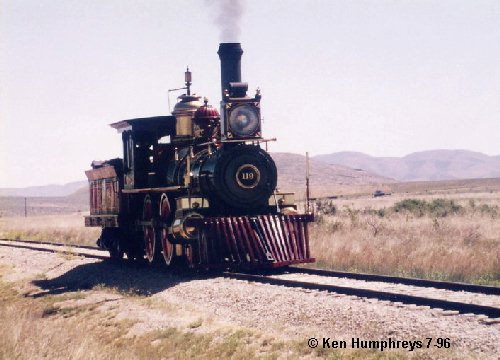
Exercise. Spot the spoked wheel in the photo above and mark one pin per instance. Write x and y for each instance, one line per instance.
(148, 230)
(167, 246)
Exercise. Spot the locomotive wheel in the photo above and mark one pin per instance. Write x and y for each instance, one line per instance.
(164, 207)
(148, 230)
(168, 249)
(149, 242)
(167, 246)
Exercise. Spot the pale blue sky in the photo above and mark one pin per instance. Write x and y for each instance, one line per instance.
(382, 77)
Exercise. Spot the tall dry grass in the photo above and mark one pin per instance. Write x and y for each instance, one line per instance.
(460, 246)
(64, 228)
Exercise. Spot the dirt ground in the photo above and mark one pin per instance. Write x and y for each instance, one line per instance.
(278, 322)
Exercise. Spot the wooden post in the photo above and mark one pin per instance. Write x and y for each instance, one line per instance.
(308, 206)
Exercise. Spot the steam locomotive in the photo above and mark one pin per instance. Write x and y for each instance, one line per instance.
(196, 187)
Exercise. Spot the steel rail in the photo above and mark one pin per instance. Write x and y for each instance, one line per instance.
(464, 308)
(54, 244)
(446, 285)
(57, 251)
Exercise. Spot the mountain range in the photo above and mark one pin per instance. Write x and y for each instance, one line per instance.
(429, 165)
(291, 176)
(340, 168)
(45, 190)
(292, 173)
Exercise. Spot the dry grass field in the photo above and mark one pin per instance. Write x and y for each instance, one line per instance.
(445, 235)
(64, 228)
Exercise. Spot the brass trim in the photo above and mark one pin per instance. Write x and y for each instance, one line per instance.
(256, 181)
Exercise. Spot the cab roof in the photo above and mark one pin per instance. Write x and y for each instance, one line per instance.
(155, 124)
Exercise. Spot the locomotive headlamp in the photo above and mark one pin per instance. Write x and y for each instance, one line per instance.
(244, 120)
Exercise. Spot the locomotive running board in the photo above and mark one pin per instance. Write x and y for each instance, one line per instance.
(254, 241)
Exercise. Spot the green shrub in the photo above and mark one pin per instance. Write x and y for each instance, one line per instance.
(326, 207)
(444, 207)
(414, 206)
(435, 208)
(489, 210)
(383, 212)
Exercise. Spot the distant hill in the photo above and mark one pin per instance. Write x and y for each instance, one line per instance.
(45, 205)
(45, 190)
(73, 197)
(422, 166)
(292, 173)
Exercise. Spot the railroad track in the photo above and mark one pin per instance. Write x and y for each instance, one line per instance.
(59, 248)
(445, 285)
(461, 307)
(53, 244)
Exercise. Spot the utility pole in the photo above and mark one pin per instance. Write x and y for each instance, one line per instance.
(308, 206)
(25, 208)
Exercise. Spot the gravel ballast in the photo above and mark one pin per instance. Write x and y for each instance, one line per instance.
(284, 313)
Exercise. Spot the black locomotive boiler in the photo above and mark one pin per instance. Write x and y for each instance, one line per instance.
(197, 187)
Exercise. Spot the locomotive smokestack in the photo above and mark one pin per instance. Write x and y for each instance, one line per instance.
(230, 64)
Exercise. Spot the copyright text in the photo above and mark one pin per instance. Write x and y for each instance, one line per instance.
(385, 344)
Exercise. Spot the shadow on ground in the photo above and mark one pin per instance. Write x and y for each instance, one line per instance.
(122, 276)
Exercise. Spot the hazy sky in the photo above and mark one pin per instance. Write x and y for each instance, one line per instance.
(382, 77)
